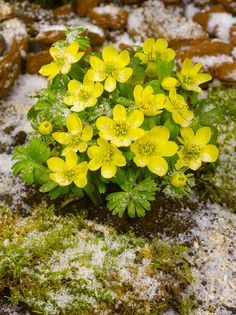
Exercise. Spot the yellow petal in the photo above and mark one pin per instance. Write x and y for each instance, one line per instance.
(160, 133)
(66, 68)
(110, 84)
(135, 118)
(141, 160)
(168, 54)
(61, 137)
(158, 165)
(60, 179)
(123, 75)
(74, 124)
(56, 164)
(95, 62)
(148, 45)
(160, 100)
(73, 86)
(50, 70)
(167, 149)
(87, 133)
(195, 164)
(135, 133)
(186, 67)
(203, 135)
(108, 170)
(81, 181)
(93, 151)
(71, 159)
(54, 52)
(109, 53)
(142, 57)
(104, 123)
(187, 134)
(72, 48)
(119, 113)
(138, 92)
(98, 90)
(119, 159)
(210, 153)
(95, 75)
(95, 164)
(203, 77)
(123, 59)
(77, 57)
(104, 145)
(82, 146)
(196, 68)
(147, 92)
(169, 82)
(160, 45)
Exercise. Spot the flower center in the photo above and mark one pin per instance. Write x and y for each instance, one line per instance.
(69, 173)
(188, 79)
(84, 95)
(75, 140)
(147, 148)
(192, 151)
(110, 69)
(180, 105)
(120, 129)
(60, 60)
(107, 156)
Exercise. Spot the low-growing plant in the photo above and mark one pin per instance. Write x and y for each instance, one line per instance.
(118, 124)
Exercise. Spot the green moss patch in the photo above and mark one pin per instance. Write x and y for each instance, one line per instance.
(68, 265)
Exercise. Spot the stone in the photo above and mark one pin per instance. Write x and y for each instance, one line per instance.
(230, 5)
(109, 16)
(226, 72)
(203, 17)
(63, 10)
(47, 38)
(233, 35)
(6, 11)
(10, 68)
(3, 45)
(84, 6)
(35, 61)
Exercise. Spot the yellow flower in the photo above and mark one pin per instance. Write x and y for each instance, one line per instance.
(68, 171)
(63, 58)
(150, 149)
(106, 156)
(177, 105)
(147, 102)
(45, 128)
(153, 50)
(190, 78)
(77, 137)
(179, 180)
(112, 68)
(83, 95)
(195, 149)
(123, 129)
(169, 83)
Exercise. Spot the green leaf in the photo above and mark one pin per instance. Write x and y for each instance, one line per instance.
(208, 113)
(125, 90)
(164, 69)
(48, 187)
(78, 192)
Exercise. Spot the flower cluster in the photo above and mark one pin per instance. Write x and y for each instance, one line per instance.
(127, 117)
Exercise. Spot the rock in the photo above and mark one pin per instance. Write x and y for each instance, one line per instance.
(109, 16)
(28, 12)
(19, 138)
(6, 11)
(3, 45)
(226, 72)
(63, 10)
(233, 35)
(203, 17)
(10, 67)
(46, 39)
(83, 6)
(132, 1)
(230, 5)
(35, 61)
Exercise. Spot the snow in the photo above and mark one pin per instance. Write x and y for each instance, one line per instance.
(212, 61)
(13, 28)
(108, 9)
(221, 22)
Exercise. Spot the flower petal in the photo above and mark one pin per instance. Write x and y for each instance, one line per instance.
(187, 67)
(160, 133)
(60, 179)
(167, 149)
(50, 70)
(95, 62)
(72, 48)
(61, 137)
(93, 151)
(123, 75)
(160, 45)
(135, 118)
(203, 135)
(96, 75)
(110, 84)
(210, 153)
(187, 134)
(87, 133)
(148, 45)
(97, 90)
(119, 159)
(82, 146)
(119, 113)
(74, 124)
(109, 53)
(141, 160)
(138, 92)
(73, 86)
(123, 59)
(81, 181)
(71, 159)
(203, 77)
(56, 164)
(195, 164)
(108, 170)
(104, 123)
(158, 165)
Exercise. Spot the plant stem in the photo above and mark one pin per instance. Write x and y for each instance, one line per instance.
(93, 198)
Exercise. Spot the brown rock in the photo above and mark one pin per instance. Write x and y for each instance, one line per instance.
(109, 16)
(230, 5)
(23, 45)
(233, 35)
(132, 1)
(35, 61)
(10, 66)
(49, 37)
(83, 6)
(96, 39)
(63, 10)
(226, 72)
(3, 45)
(203, 17)
(6, 11)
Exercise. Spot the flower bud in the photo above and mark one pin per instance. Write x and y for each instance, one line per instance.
(169, 82)
(179, 180)
(45, 128)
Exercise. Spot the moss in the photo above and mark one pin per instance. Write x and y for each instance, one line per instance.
(188, 304)
(219, 181)
(68, 265)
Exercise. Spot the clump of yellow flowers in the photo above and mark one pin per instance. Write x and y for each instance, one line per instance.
(117, 119)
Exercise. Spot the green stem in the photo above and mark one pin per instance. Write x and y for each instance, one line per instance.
(66, 202)
(93, 198)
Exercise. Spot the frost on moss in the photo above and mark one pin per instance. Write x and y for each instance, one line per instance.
(68, 265)
(223, 175)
